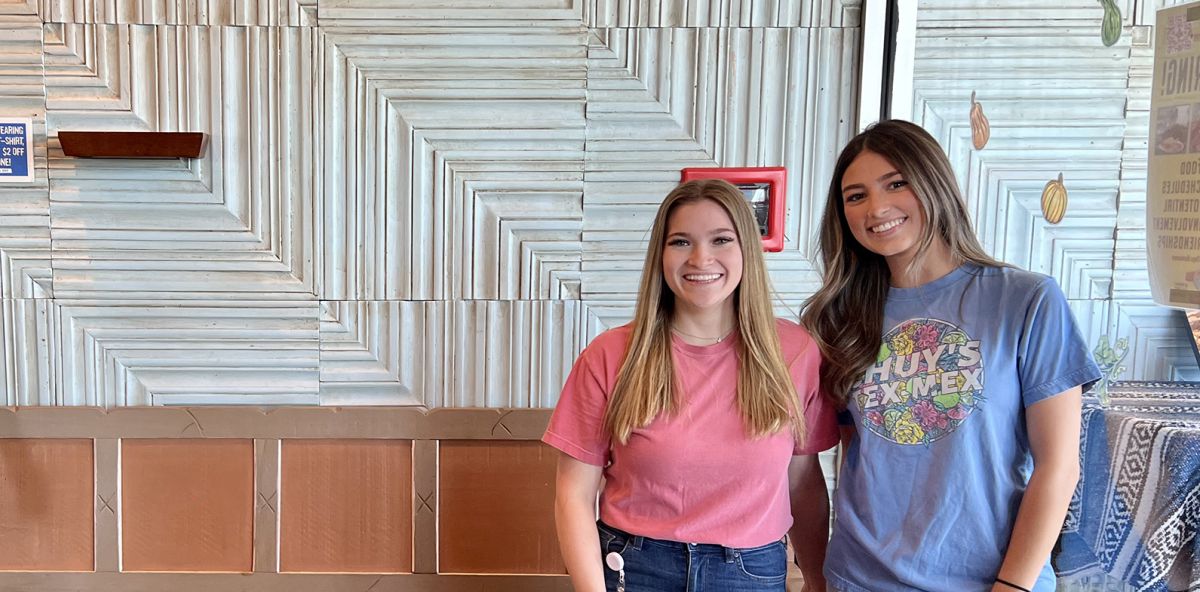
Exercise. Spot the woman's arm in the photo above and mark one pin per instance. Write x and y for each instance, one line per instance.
(577, 484)
(810, 518)
(1053, 426)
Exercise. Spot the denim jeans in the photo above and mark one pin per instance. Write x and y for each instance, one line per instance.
(653, 565)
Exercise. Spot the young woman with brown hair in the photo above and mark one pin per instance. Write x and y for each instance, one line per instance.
(961, 377)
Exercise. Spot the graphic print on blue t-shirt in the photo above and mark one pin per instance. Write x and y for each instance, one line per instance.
(926, 382)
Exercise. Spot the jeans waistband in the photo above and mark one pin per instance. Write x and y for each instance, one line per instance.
(636, 541)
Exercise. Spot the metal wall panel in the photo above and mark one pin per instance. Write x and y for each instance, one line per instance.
(663, 99)
(367, 354)
(24, 209)
(722, 13)
(448, 152)
(19, 7)
(1052, 17)
(459, 13)
(181, 12)
(235, 223)
(29, 369)
(1058, 101)
(501, 353)
(449, 354)
(458, 194)
(439, 220)
(124, 353)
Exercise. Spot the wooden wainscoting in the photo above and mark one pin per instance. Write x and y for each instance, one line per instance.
(46, 494)
(493, 500)
(345, 506)
(187, 504)
(293, 499)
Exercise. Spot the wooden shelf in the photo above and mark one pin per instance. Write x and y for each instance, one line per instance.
(133, 144)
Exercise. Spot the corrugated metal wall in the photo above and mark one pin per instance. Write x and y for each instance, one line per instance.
(1058, 101)
(409, 202)
(416, 202)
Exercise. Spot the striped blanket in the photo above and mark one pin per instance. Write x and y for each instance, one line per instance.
(1134, 519)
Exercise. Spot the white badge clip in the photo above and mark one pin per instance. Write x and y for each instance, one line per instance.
(615, 562)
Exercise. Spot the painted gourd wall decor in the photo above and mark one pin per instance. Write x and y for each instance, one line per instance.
(1110, 24)
(981, 130)
(1054, 200)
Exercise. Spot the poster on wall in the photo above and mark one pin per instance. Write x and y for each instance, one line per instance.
(16, 150)
(1173, 185)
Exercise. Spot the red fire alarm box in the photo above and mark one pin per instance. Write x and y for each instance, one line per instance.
(763, 188)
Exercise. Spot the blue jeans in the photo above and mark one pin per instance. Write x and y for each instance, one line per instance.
(653, 565)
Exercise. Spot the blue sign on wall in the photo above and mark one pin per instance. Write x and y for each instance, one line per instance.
(16, 150)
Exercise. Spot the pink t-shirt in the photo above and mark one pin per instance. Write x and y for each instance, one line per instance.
(696, 476)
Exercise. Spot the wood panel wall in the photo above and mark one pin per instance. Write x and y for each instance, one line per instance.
(286, 498)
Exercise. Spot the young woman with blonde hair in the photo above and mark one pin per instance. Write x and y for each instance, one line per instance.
(703, 426)
(961, 377)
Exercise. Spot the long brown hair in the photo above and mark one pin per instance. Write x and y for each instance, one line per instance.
(646, 382)
(845, 316)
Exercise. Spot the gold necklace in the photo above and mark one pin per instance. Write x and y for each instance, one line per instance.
(712, 339)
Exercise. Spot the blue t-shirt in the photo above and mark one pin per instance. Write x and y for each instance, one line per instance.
(929, 490)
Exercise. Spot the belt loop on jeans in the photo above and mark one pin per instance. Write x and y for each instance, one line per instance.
(635, 541)
(730, 554)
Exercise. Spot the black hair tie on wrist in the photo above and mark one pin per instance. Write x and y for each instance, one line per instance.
(1012, 585)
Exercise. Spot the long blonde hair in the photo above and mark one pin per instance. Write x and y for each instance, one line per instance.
(646, 382)
(845, 316)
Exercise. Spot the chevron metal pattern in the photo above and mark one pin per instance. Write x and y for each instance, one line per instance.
(451, 151)
(24, 209)
(437, 13)
(93, 68)
(182, 12)
(499, 353)
(186, 353)
(235, 223)
(1017, 14)
(18, 7)
(368, 353)
(1159, 341)
(722, 13)
(1031, 129)
(28, 355)
(418, 202)
(663, 99)
(1085, 114)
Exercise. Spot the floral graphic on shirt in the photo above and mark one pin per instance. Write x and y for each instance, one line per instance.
(907, 431)
(926, 381)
